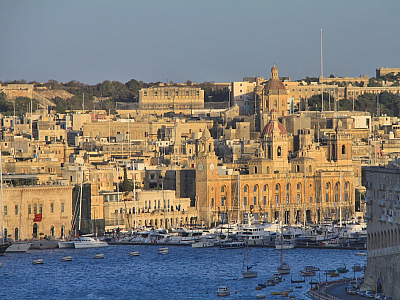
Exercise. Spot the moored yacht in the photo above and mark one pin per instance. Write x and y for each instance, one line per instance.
(89, 242)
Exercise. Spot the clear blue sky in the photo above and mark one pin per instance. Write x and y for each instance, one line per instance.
(222, 41)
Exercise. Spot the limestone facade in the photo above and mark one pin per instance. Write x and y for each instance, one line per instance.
(383, 226)
(37, 211)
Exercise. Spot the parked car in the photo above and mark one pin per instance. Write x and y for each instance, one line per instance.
(351, 290)
(370, 294)
(361, 293)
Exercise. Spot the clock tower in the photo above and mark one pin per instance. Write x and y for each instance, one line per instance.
(206, 174)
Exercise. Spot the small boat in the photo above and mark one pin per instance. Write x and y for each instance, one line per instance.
(249, 273)
(134, 253)
(38, 261)
(271, 282)
(163, 250)
(307, 273)
(311, 268)
(202, 244)
(284, 268)
(262, 285)
(99, 256)
(223, 291)
(66, 258)
(342, 269)
(260, 296)
(277, 277)
(276, 293)
(361, 253)
(258, 288)
(357, 268)
(334, 274)
(232, 245)
(1, 265)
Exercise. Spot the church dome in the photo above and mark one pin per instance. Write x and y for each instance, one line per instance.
(274, 126)
(274, 83)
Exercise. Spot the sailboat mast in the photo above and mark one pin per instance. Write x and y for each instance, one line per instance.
(1, 195)
(134, 190)
(305, 190)
(238, 196)
(80, 203)
(340, 199)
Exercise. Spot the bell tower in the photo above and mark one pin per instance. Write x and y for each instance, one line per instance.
(206, 173)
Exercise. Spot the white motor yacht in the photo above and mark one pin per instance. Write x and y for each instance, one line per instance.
(89, 242)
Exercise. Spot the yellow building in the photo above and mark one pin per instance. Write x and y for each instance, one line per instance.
(316, 183)
(162, 99)
(37, 211)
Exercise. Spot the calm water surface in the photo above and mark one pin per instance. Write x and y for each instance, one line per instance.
(184, 273)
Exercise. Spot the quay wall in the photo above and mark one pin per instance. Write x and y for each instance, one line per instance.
(384, 269)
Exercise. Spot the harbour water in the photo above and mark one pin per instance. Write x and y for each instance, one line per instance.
(184, 273)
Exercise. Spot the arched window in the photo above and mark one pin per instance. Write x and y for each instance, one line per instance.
(245, 189)
(336, 186)
(255, 188)
(287, 186)
(298, 186)
(265, 188)
(327, 185)
(35, 208)
(222, 189)
(279, 151)
(276, 187)
(309, 169)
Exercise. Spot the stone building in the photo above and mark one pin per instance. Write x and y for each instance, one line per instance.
(37, 211)
(314, 183)
(383, 226)
(165, 98)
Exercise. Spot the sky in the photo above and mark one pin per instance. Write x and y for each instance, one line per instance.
(198, 40)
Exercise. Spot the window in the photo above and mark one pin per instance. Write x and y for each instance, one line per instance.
(35, 208)
(145, 204)
(298, 198)
(345, 185)
(276, 199)
(145, 93)
(287, 186)
(62, 207)
(254, 200)
(5, 210)
(279, 151)
(336, 186)
(287, 198)
(52, 208)
(265, 188)
(245, 189)
(16, 209)
(336, 197)
(187, 93)
(29, 209)
(343, 149)
(40, 208)
(244, 200)
(222, 189)
(327, 186)
(255, 188)
(176, 93)
(345, 197)
(222, 201)
(310, 199)
(276, 187)
(298, 186)
(265, 200)
(166, 93)
(155, 94)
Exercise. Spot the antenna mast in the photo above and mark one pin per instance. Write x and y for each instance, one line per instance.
(322, 79)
